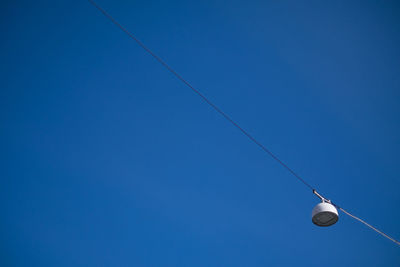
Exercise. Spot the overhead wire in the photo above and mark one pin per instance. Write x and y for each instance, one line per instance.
(216, 108)
(370, 226)
(226, 116)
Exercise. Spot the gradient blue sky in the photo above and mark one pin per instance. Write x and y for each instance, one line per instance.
(109, 160)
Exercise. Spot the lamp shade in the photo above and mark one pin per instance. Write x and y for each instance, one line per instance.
(324, 214)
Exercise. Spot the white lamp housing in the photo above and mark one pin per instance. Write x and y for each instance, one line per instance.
(324, 214)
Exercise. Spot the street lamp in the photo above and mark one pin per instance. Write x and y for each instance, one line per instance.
(324, 213)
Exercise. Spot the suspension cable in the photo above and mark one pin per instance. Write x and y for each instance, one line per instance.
(228, 118)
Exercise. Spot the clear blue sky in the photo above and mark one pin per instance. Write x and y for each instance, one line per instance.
(109, 160)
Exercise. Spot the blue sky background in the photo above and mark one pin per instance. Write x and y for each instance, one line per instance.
(109, 160)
